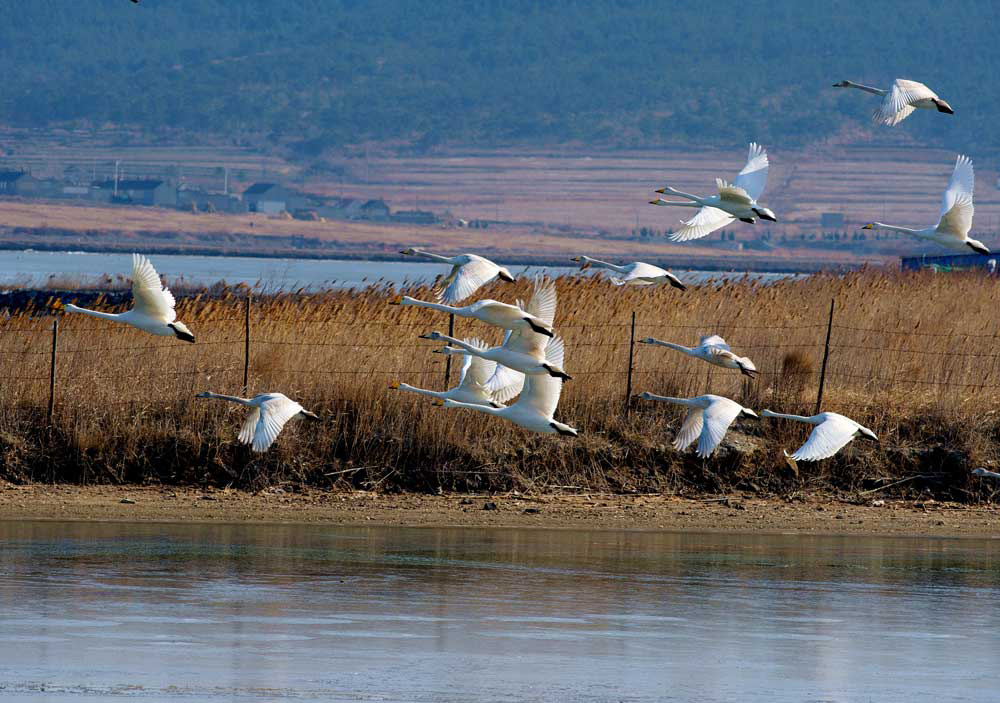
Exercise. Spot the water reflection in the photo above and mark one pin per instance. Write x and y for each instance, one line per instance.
(209, 612)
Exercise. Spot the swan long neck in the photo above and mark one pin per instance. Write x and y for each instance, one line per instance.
(421, 391)
(677, 347)
(866, 88)
(407, 300)
(669, 399)
(678, 203)
(472, 406)
(799, 418)
(429, 255)
(93, 313)
(894, 228)
(604, 264)
(230, 398)
(458, 343)
(682, 194)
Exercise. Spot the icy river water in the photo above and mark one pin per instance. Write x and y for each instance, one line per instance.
(158, 612)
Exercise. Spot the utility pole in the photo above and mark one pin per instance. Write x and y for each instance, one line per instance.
(117, 162)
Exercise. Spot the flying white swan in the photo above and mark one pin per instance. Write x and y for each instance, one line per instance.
(523, 350)
(269, 414)
(534, 407)
(900, 100)
(637, 273)
(707, 421)
(736, 201)
(152, 307)
(492, 312)
(468, 273)
(984, 472)
(952, 229)
(712, 349)
(472, 384)
(831, 434)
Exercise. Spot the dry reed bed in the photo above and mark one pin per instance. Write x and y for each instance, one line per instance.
(914, 356)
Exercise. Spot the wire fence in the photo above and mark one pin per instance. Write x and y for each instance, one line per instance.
(25, 352)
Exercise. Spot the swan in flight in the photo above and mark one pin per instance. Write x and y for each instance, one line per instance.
(468, 273)
(270, 412)
(707, 421)
(831, 434)
(152, 308)
(900, 100)
(472, 384)
(492, 312)
(952, 229)
(984, 472)
(534, 407)
(736, 201)
(712, 349)
(523, 350)
(637, 273)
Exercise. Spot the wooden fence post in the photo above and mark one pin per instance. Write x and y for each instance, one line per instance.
(246, 345)
(631, 354)
(52, 370)
(826, 355)
(447, 357)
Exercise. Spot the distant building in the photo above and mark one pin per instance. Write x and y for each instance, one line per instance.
(832, 220)
(268, 198)
(417, 217)
(375, 210)
(203, 201)
(135, 192)
(18, 183)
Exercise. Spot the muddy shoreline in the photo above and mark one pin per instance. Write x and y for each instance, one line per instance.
(726, 513)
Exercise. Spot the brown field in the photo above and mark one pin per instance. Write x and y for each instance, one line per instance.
(610, 190)
(910, 357)
(551, 204)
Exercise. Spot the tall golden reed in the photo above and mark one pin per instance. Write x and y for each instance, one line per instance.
(913, 356)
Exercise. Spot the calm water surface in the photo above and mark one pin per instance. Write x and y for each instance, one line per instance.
(33, 268)
(263, 613)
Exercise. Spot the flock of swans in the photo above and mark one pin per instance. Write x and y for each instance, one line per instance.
(529, 363)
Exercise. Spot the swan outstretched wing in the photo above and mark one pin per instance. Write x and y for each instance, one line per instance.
(956, 203)
(705, 221)
(690, 429)
(151, 297)
(541, 394)
(541, 391)
(713, 340)
(505, 383)
(249, 426)
(465, 279)
(543, 300)
(543, 306)
(733, 193)
(476, 371)
(275, 411)
(718, 416)
(826, 439)
(753, 177)
(898, 102)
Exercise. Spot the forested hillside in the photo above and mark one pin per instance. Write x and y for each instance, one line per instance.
(329, 73)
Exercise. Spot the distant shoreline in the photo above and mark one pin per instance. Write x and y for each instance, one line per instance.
(732, 512)
(514, 259)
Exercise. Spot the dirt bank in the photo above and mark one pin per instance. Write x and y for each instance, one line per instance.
(580, 511)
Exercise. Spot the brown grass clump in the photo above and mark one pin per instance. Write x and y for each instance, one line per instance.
(922, 376)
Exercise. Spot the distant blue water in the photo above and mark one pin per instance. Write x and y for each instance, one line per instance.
(34, 268)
